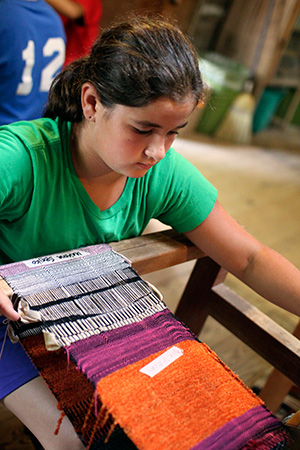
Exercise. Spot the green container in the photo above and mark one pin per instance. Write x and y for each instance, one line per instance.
(225, 79)
(266, 108)
(283, 107)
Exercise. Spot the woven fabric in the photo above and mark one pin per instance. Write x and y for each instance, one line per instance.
(108, 352)
(193, 403)
(139, 378)
(81, 297)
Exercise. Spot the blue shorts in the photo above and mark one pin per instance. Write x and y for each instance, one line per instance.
(16, 367)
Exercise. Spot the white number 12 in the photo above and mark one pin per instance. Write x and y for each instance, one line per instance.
(53, 45)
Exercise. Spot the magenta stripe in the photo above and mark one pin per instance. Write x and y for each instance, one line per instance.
(238, 432)
(100, 355)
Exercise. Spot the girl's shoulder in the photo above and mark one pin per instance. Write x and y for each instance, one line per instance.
(180, 176)
(26, 147)
(174, 165)
(24, 143)
(32, 132)
(171, 159)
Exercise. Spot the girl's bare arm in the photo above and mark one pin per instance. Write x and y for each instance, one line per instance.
(261, 268)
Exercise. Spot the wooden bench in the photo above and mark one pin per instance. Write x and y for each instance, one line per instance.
(206, 294)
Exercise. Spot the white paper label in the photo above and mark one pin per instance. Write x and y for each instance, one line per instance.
(162, 361)
(57, 257)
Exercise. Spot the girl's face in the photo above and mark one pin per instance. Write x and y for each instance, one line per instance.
(130, 140)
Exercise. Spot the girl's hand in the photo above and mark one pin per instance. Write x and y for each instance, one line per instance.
(6, 307)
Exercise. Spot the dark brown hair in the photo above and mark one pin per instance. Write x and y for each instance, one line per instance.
(132, 63)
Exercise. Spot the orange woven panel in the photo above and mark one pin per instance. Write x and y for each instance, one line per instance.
(173, 410)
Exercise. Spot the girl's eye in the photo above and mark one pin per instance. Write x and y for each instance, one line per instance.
(137, 130)
(146, 132)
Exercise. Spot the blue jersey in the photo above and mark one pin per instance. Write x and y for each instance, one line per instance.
(32, 52)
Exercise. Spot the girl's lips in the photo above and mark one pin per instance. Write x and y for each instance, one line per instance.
(145, 166)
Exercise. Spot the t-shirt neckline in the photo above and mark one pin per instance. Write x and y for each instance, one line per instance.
(84, 196)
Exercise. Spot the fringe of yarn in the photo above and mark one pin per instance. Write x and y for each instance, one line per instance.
(59, 422)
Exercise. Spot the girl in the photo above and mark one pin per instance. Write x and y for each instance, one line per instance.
(98, 167)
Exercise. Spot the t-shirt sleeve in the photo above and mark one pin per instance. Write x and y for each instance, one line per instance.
(188, 196)
(15, 176)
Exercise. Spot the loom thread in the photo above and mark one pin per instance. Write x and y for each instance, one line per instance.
(87, 416)
(59, 422)
(96, 403)
(6, 322)
(100, 423)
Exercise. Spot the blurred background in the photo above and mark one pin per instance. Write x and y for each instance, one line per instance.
(237, 41)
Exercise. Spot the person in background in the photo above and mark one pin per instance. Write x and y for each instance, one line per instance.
(32, 52)
(81, 19)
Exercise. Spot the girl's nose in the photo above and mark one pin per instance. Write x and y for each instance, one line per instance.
(156, 150)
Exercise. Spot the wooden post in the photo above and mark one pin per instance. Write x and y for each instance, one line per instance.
(192, 308)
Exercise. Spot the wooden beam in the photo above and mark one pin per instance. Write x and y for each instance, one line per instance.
(244, 38)
(156, 251)
(276, 345)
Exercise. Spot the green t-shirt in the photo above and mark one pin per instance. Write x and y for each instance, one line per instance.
(45, 209)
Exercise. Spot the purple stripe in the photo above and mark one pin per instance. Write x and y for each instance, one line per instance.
(100, 355)
(237, 432)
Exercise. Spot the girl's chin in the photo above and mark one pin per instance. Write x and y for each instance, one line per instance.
(137, 172)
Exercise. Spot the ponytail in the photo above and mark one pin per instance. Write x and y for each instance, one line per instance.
(64, 98)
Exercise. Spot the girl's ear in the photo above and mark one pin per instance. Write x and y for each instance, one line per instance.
(89, 100)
